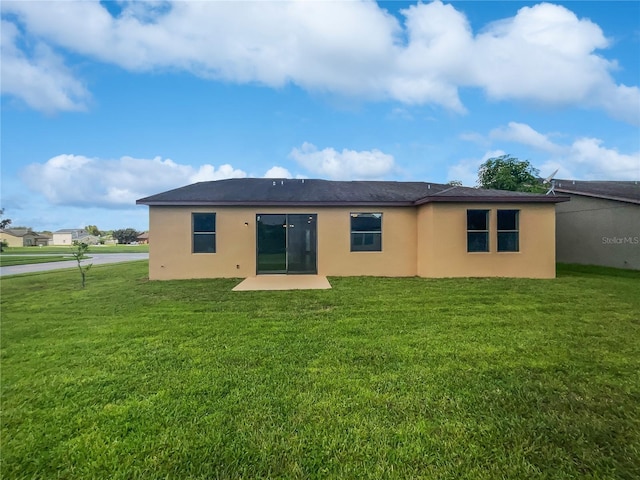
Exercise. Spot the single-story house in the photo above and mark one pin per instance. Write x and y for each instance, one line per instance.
(244, 227)
(89, 239)
(22, 237)
(143, 238)
(69, 235)
(601, 223)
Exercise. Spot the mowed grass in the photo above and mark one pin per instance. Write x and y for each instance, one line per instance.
(59, 249)
(9, 260)
(377, 378)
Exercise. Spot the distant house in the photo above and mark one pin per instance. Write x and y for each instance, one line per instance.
(601, 223)
(70, 235)
(22, 237)
(67, 236)
(89, 239)
(244, 227)
(43, 240)
(143, 238)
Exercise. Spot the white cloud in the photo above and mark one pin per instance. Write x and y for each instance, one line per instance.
(345, 165)
(208, 172)
(547, 54)
(546, 50)
(466, 170)
(41, 81)
(82, 181)
(524, 134)
(581, 159)
(431, 66)
(599, 163)
(543, 54)
(278, 172)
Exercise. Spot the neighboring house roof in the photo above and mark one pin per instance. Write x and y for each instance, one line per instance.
(143, 236)
(266, 191)
(76, 233)
(610, 190)
(23, 232)
(69, 230)
(19, 232)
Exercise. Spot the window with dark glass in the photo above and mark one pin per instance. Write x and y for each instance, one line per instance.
(204, 232)
(366, 232)
(477, 230)
(508, 230)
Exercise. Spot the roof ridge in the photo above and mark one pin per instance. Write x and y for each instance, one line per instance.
(452, 187)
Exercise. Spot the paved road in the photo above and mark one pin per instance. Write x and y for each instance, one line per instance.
(96, 259)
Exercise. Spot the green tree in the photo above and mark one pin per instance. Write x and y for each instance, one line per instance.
(454, 183)
(80, 250)
(4, 222)
(509, 173)
(92, 230)
(125, 235)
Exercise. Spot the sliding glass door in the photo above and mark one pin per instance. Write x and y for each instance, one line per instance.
(272, 243)
(301, 244)
(286, 243)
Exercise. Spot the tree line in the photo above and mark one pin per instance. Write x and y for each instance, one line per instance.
(122, 235)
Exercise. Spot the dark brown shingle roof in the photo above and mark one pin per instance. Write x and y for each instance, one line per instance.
(18, 232)
(610, 190)
(264, 192)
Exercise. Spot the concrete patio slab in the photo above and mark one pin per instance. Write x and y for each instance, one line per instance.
(283, 282)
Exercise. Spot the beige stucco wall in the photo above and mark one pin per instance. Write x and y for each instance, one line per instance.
(11, 240)
(62, 239)
(399, 236)
(171, 257)
(442, 242)
(429, 241)
(597, 231)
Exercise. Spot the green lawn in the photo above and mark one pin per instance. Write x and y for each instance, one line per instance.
(376, 378)
(92, 249)
(8, 260)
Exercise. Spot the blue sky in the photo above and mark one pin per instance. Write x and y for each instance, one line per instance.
(104, 103)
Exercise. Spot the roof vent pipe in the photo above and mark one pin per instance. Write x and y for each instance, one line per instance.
(274, 183)
(428, 186)
(281, 182)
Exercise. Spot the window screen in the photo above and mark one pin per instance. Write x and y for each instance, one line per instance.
(477, 230)
(366, 232)
(508, 231)
(204, 232)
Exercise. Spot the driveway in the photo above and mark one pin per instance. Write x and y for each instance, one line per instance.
(96, 259)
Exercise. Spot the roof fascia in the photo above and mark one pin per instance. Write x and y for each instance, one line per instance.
(494, 199)
(274, 204)
(598, 195)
